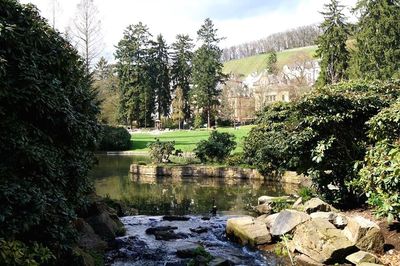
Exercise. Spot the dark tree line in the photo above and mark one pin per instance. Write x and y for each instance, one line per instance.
(298, 37)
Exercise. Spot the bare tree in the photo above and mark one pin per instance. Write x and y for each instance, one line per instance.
(86, 32)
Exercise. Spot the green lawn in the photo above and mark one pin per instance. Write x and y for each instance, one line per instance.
(257, 63)
(186, 140)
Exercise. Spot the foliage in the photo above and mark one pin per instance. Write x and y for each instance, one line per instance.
(114, 139)
(207, 70)
(198, 121)
(161, 151)
(377, 52)
(332, 45)
(216, 148)
(17, 253)
(272, 60)
(49, 128)
(379, 176)
(306, 193)
(320, 135)
(279, 205)
(178, 107)
(234, 159)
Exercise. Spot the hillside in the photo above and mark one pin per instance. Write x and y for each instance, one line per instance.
(248, 65)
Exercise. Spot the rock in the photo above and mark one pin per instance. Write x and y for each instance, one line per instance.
(297, 203)
(263, 208)
(270, 220)
(322, 242)
(304, 260)
(316, 204)
(287, 220)
(87, 238)
(330, 216)
(269, 199)
(199, 230)
(247, 230)
(365, 234)
(153, 230)
(106, 227)
(369, 264)
(190, 251)
(220, 262)
(82, 258)
(362, 256)
(169, 235)
(206, 218)
(340, 221)
(175, 218)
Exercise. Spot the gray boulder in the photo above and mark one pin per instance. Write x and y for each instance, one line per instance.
(287, 220)
(365, 234)
(322, 242)
(316, 204)
(248, 231)
(337, 219)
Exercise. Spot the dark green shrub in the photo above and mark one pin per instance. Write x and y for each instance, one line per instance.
(216, 148)
(321, 135)
(379, 177)
(114, 139)
(49, 129)
(161, 151)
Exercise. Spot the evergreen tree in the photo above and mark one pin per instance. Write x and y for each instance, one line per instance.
(178, 105)
(102, 69)
(207, 70)
(332, 45)
(181, 69)
(135, 79)
(378, 39)
(160, 76)
(272, 60)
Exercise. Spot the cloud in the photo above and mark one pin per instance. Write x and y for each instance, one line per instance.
(239, 21)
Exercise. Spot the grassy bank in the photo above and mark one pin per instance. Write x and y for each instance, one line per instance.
(186, 140)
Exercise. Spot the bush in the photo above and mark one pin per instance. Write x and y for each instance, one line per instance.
(379, 176)
(234, 159)
(114, 139)
(216, 148)
(49, 129)
(321, 135)
(161, 151)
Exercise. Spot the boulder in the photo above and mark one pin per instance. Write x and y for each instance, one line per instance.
(264, 208)
(190, 250)
(268, 219)
(175, 218)
(153, 230)
(340, 221)
(365, 234)
(199, 230)
(287, 220)
(316, 204)
(322, 242)
(87, 238)
(330, 216)
(105, 226)
(247, 230)
(218, 261)
(304, 260)
(297, 203)
(362, 256)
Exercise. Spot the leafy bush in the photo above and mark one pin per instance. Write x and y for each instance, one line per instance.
(161, 151)
(380, 175)
(114, 139)
(306, 193)
(234, 159)
(49, 129)
(216, 148)
(320, 135)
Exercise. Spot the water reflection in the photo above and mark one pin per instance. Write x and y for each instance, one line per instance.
(167, 195)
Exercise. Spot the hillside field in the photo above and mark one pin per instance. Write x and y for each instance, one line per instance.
(257, 63)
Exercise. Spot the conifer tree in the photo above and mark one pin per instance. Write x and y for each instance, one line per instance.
(181, 69)
(332, 45)
(207, 70)
(272, 60)
(378, 39)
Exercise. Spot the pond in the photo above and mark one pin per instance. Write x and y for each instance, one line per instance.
(180, 196)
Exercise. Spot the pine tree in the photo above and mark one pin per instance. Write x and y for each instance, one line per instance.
(207, 70)
(378, 39)
(160, 76)
(272, 60)
(178, 105)
(332, 45)
(137, 93)
(181, 69)
(102, 69)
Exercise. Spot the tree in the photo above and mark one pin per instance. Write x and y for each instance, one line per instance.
(377, 53)
(135, 77)
(272, 60)
(48, 114)
(181, 69)
(217, 147)
(86, 32)
(332, 45)
(178, 107)
(160, 76)
(207, 70)
(102, 69)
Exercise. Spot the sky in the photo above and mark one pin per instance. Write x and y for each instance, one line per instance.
(238, 21)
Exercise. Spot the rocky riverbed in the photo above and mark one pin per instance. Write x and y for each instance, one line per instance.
(188, 240)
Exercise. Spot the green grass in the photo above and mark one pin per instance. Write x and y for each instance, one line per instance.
(257, 63)
(186, 140)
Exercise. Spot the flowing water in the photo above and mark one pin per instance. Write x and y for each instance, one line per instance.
(194, 197)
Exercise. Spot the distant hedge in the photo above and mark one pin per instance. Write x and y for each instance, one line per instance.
(114, 139)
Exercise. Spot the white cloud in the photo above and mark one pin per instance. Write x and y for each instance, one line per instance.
(171, 17)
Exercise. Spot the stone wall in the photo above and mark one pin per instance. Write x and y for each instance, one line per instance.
(213, 171)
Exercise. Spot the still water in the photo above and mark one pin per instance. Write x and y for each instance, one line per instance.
(168, 195)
